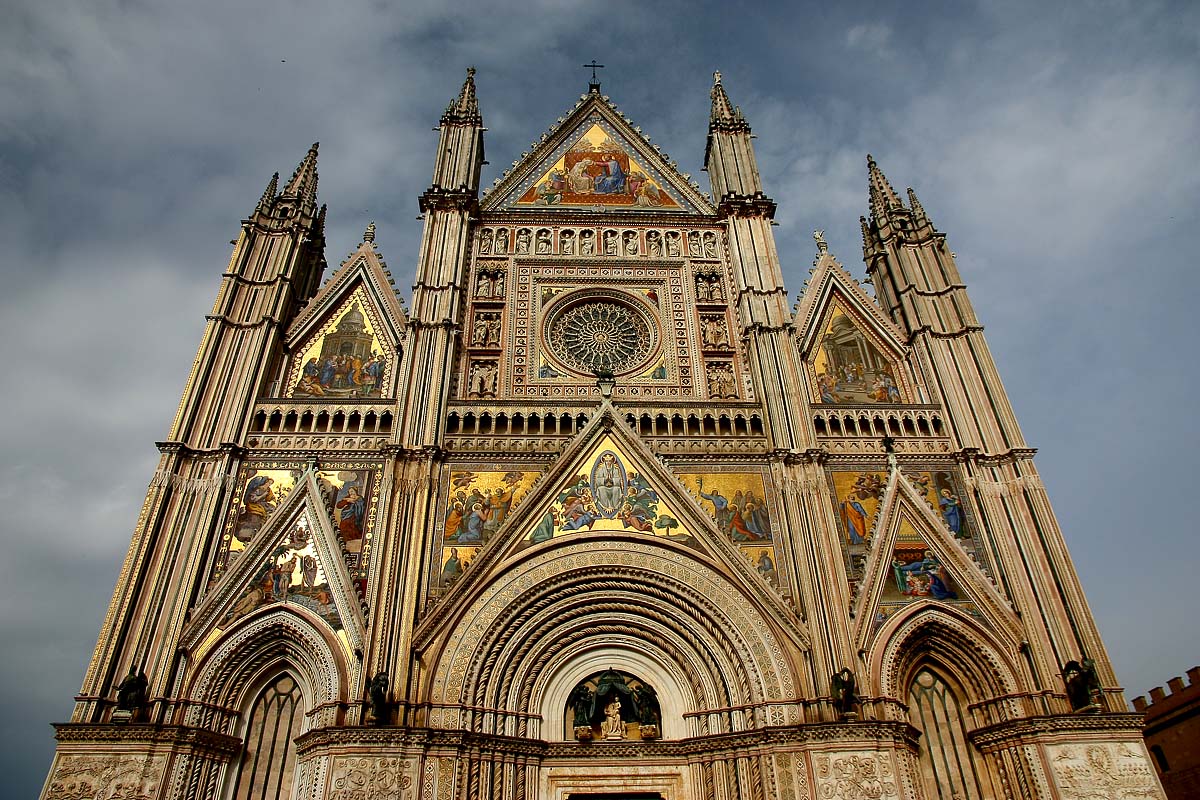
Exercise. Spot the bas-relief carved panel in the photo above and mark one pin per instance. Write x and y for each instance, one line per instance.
(849, 367)
(103, 777)
(865, 775)
(740, 505)
(1102, 771)
(346, 358)
(370, 778)
(350, 493)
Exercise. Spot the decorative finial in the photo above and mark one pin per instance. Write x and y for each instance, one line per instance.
(594, 86)
(369, 233)
(717, 77)
(470, 72)
(819, 236)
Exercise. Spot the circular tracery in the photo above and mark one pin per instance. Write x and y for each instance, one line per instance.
(600, 334)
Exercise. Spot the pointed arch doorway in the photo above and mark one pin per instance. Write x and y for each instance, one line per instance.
(947, 757)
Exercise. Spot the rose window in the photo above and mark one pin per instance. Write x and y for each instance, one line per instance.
(600, 334)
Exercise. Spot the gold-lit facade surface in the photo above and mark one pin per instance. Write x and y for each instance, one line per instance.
(605, 514)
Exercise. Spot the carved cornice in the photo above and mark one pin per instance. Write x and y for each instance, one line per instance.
(435, 198)
(746, 205)
(178, 735)
(175, 447)
(1018, 731)
(819, 734)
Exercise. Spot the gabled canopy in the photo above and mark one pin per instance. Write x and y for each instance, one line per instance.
(595, 159)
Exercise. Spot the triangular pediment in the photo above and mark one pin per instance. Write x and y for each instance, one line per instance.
(606, 485)
(294, 560)
(346, 343)
(915, 559)
(596, 159)
(852, 352)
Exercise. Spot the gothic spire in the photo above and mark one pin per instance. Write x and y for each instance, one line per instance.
(465, 107)
(883, 197)
(724, 113)
(303, 183)
(270, 192)
(918, 211)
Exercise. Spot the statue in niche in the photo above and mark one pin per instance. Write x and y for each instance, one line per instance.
(483, 285)
(543, 243)
(524, 239)
(713, 332)
(587, 243)
(583, 707)
(498, 284)
(131, 694)
(654, 244)
(566, 243)
(501, 241)
(377, 691)
(694, 245)
(1083, 686)
(485, 243)
(673, 244)
(479, 335)
(610, 243)
(842, 688)
(493, 330)
(710, 245)
(631, 243)
(720, 381)
(613, 726)
(647, 711)
(483, 379)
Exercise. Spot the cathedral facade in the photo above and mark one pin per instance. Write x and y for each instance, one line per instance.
(601, 514)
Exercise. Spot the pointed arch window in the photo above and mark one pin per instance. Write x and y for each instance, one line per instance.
(947, 758)
(268, 763)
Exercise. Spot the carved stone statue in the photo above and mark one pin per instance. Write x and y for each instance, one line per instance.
(842, 686)
(1083, 686)
(131, 693)
(647, 710)
(614, 726)
(377, 690)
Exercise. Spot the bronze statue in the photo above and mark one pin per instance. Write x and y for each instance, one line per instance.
(646, 700)
(131, 693)
(1083, 685)
(842, 688)
(583, 703)
(377, 688)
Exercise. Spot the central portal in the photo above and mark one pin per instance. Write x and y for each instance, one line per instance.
(617, 796)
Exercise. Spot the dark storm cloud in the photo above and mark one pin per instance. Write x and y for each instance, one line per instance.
(1055, 147)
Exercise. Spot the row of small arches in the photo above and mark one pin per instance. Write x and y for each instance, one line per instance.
(834, 424)
(549, 423)
(609, 241)
(278, 421)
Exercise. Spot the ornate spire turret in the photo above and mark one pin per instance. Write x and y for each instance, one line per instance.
(303, 183)
(724, 113)
(918, 211)
(369, 233)
(883, 197)
(464, 109)
(269, 193)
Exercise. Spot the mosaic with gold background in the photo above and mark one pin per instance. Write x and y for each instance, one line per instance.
(849, 367)
(346, 358)
(350, 493)
(741, 508)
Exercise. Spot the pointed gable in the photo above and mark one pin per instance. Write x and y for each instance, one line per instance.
(296, 559)
(851, 350)
(914, 558)
(606, 484)
(347, 340)
(596, 159)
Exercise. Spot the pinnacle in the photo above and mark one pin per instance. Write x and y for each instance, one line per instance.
(723, 111)
(269, 193)
(369, 233)
(465, 107)
(303, 183)
(882, 195)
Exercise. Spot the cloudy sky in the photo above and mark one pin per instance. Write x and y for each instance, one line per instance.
(1056, 148)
